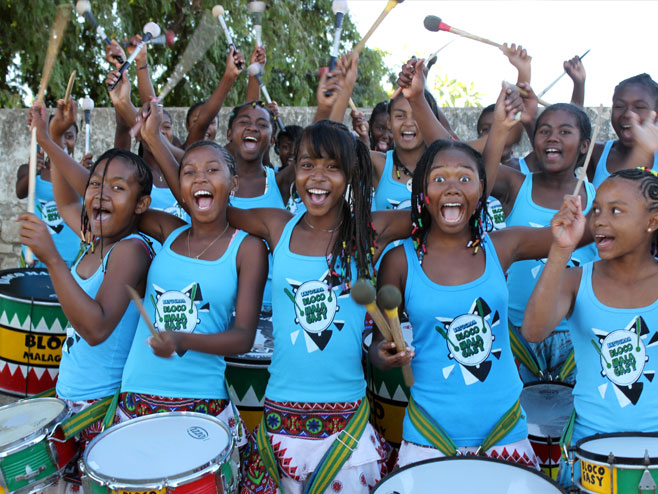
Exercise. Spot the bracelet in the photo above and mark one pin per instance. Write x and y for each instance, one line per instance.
(145, 66)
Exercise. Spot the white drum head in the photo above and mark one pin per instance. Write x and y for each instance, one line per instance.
(466, 475)
(622, 446)
(548, 407)
(157, 447)
(23, 418)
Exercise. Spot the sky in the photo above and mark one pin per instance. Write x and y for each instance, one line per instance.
(620, 34)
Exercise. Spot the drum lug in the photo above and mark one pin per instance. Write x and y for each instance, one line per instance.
(29, 473)
(647, 485)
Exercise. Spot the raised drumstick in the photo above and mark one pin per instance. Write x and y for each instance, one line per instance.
(69, 87)
(151, 30)
(435, 24)
(62, 15)
(256, 70)
(257, 8)
(363, 293)
(542, 93)
(87, 106)
(142, 311)
(361, 44)
(218, 12)
(390, 299)
(83, 7)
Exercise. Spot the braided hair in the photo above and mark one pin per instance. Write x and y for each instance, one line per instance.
(251, 104)
(229, 161)
(144, 179)
(356, 235)
(643, 80)
(479, 223)
(648, 184)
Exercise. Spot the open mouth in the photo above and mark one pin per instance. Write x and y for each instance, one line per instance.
(626, 132)
(408, 135)
(250, 143)
(203, 199)
(452, 212)
(553, 153)
(317, 196)
(603, 241)
(101, 214)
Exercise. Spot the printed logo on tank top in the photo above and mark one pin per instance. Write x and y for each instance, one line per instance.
(177, 211)
(574, 262)
(72, 337)
(393, 204)
(316, 305)
(178, 310)
(469, 338)
(623, 357)
(50, 216)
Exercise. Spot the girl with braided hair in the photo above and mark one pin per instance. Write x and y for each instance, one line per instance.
(611, 305)
(451, 273)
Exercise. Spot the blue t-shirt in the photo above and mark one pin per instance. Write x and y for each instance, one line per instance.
(89, 372)
(523, 275)
(464, 371)
(66, 241)
(317, 330)
(616, 354)
(389, 193)
(190, 295)
(601, 171)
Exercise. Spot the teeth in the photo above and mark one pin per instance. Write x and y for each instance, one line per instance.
(317, 191)
(452, 205)
(407, 133)
(552, 150)
(200, 193)
(249, 138)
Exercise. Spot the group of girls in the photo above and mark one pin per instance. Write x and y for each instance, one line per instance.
(450, 267)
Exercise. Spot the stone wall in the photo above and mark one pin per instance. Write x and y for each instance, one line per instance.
(15, 143)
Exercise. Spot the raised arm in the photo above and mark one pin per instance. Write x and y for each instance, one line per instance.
(144, 84)
(520, 60)
(329, 88)
(253, 86)
(350, 71)
(576, 71)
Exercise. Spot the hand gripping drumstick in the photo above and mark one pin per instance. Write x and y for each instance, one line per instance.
(340, 9)
(435, 24)
(62, 15)
(151, 30)
(363, 293)
(390, 299)
(257, 9)
(142, 311)
(361, 44)
(256, 70)
(559, 77)
(218, 11)
(525, 94)
(83, 7)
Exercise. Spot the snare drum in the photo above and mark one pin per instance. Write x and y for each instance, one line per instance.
(548, 406)
(618, 463)
(32, 332)
(32, 449)
(388, 394)
(176, 452)
(247, 374)
(466, 475)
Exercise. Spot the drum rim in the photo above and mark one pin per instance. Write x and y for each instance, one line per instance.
(470, 458)
(37, 435)
(544, 439)
(619, 460)
(247, 363)
(198, 472)
(36, 301)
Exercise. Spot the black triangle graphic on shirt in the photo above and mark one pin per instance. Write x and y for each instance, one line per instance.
(632, 393)
(496, 353)
(480, 372)
(205, 307)
(650, 375)
(654, 339)
(320, 339)
(339, 324)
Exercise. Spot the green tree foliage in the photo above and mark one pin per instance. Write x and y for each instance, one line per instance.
(451, 92)
(297, 34)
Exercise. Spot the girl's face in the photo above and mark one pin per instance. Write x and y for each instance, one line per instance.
(206, 183)
(632, 98)
(251, 133)
(286, 151)
(211, 132)
(166, 129)
(557, 141)
(70, 136)
(320, 181)
(453, 189)
(115, 208)
(406, 133)
(381, 133)
(620, 218)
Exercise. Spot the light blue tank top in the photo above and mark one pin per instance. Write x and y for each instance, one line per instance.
(601, 172)
(464, 370)
(190, 295)
(616, 354)
(89, 372)
(389, 193)
(523, 166)
(66, 240)
(163, 200)
(317, 331)
(523, 275)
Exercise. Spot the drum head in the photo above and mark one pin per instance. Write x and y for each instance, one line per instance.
(628, 448)
(466, 475)
(261, 352)
(21, 419)
(548, 407)
(27, 284)
(157, 447)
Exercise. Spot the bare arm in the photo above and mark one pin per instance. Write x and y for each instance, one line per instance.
(331, 83)
(349, 71)
(253, 87)
(266, 223)
(390, 226)
(576, 71)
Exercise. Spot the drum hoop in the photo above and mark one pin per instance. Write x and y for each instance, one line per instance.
(550, 383)
(38, 435)
(619, 460)
(470, 458)
(234, 362)
(27, 301)
(37, 301)
(198, 472)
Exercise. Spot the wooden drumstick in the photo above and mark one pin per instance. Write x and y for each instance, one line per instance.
(435, 24)
(525, 94)
(142, 311)
(62, 15)
(69, 87)
(361, 44)
(363, 293)
(390, 299)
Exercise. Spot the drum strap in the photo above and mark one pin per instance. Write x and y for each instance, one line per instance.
(332, 461)
(439, 438)
(49, 393)
(93, 413)
(567, 367)
(567, 433)
(524, 353)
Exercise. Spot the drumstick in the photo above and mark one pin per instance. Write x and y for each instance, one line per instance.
(361, 44)
(62, 14)
(435, 24)
(363, 293)
(559, 77)
(390, 299)
(583, 169)
(525, 94)
(69, 87)
(142, 311)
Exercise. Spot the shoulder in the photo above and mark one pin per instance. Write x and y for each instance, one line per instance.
(379, 161)
(131, 255)
(252, 246)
